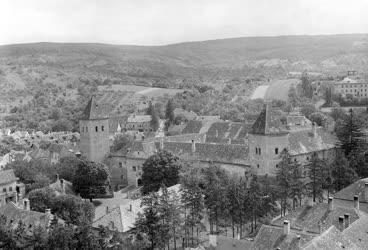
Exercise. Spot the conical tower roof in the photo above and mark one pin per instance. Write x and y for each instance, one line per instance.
(269, 122)
(95, 111)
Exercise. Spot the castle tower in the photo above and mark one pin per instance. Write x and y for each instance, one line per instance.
(94, 131)
(267, 139)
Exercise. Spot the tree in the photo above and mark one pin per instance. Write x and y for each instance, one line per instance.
(317, 173)
(192, 198)
(160, 168)
(41, 199)
(155, 120)
(306, 86)
(121, 142)
(91, 179)
(349, 132)
(308, 109)
(148, 227)
(342, 174)
(169, 113)
(66, 167)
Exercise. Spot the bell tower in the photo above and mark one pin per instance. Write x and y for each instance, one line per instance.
(94, 131)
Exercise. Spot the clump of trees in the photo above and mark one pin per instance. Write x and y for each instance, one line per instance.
(159, 169)
(122, 142)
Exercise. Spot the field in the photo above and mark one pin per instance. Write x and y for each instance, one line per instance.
(141, 90)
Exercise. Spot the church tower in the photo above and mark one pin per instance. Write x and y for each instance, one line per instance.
(94, 131)
(267, 139)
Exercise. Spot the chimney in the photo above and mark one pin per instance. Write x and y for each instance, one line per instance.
(107, 209)
(62, 185)
(286, 227)
(347, 220)
(356, 202)
(341, 223)
(299, 239)
(314, 129)
(193, 146)
(366, 192)
(26, 204)
(130, 207)
(213, 240)
(330, 203)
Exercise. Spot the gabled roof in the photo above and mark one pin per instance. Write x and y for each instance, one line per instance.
(332, 238)
(95, 111)
(272, 237)
(317, 218)
(30, 219)
(305, 141)
(357, 188)
(139, 118)
(228, 243)
(269, 122)
(7, 176)
(357, 232)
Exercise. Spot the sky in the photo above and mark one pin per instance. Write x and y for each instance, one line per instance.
(158, 22)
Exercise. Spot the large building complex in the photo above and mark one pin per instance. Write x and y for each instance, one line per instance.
(239, 148)
(352, 84)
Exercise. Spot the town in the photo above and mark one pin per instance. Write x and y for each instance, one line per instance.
(183, 125)
(291, 177)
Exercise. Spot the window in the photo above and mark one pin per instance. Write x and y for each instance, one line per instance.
(96, 128)
(102, 128)
(276, 151)
(259, 151)
(4, 190)
(257, 165)
(122, 177)
(134, 168)
(10, 189)
(256, 151)
(82, 129)
(120, 164)
(86, 129)
(277, 165)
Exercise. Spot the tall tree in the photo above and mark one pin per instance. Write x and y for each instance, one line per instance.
(318, 174)
(169, 114)
(350, 134)
(91, 179)
(306, 86)
(160, 168)
(155, 120)
(342, 174)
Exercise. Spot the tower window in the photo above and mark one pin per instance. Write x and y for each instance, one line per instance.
(256, 151)
(96, 128)
(276, 151)
(120, 164)
(102, 128)
(134, 168)
(86, 129)
(259, 151)
(257, 165)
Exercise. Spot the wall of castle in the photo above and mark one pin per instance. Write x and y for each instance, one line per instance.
(264, 152)
(94, 139)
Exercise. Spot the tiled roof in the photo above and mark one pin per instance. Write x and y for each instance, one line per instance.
(68, 186)
(272, 237)
(56, 148)
(192, 127)
(304, 141)
(139, 118)
(7, 176)
(357, 188)
(95, 111)
(14, 215)
(357, 232)
(228, 243)
(317, 218)
(269, 121)
(332, 238)
(222, 152)
(222, 132)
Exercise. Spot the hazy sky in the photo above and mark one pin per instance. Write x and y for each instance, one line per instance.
(155, 22)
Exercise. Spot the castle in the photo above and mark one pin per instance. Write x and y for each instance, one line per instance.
(238, 148)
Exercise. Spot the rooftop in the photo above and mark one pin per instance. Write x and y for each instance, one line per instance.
(269, 121)
(95, 111)
(7, 176)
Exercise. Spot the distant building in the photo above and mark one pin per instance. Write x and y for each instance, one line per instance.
(353, 85)
(10, 189)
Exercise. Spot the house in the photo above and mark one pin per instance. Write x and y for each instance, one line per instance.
(10, 189)
(141, 123)
(122, 217)
(61, 186)
(58, 151)
(15, 213)
(353, 85)
(220, 242)
(356, 192)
